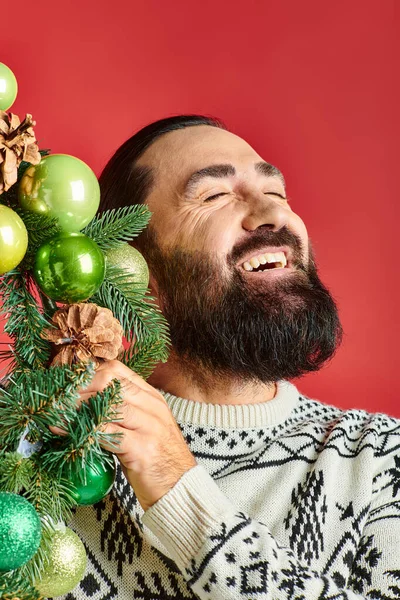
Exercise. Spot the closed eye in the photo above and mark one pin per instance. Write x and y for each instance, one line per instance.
(275, 194)
(214, 196)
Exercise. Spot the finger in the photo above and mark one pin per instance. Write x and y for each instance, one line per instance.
(129, 415)
(132, 395)
(123, 442)
(114, 369)
(57, 430)
(134, 417)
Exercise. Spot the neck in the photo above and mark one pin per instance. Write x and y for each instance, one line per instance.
(174, 378)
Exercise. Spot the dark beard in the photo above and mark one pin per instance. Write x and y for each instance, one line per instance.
(224, 326)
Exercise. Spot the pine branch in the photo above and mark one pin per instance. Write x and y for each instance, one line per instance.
(40, 228)
(84, 432)
(16, 473)
(37, 399)
(24, 323)
(118, 225)
(143, 356)
(51, 495)
(14, 586)
(138, 315)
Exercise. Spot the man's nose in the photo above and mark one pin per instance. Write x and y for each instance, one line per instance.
(263, 210)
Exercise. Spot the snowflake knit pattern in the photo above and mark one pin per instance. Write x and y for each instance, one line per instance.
(291, 499)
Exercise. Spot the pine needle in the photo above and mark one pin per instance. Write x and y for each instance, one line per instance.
(143, 356)
(24, 323)
(138, 314)
(40, 228)
(83, 432)
(118, 225)
(37, 399)
(14, 586)
(16, 472)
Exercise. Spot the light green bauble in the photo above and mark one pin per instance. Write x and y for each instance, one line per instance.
(8, 87)
(69, 268)
(66, 567)
(13, 239)
(128, 258)
(61, 186)
(92, 485)
(20, 531)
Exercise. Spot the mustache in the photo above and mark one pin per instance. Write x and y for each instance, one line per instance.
(258, 239)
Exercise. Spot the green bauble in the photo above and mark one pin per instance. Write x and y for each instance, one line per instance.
(100, 477)
(8, 87)
(128, 258)
(69, 268)
(20, 531)
(61, 186)
(13, 239)
(66, 567)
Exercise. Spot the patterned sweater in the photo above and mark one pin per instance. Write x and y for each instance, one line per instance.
(290, 499)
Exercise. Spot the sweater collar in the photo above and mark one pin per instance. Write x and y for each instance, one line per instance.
(237, 416)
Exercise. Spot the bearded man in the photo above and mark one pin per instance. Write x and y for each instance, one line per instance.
(232, 483)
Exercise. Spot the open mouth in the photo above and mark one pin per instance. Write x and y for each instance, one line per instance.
(268, 267)
(265, 262)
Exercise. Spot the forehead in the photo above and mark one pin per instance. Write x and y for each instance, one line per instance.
(180, 153)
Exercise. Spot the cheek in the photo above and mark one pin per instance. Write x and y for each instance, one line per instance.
(300, 228)
(200, 229)
(215, 233)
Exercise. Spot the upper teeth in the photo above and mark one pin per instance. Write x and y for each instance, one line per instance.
(262, 259)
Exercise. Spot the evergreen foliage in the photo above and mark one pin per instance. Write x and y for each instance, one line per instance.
(40, 228)
(141, 320)
(116, 226)
(36, 399)
(141, 356)
(23, 322)
(14, 586)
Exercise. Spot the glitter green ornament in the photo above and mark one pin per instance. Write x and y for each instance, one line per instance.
(66, 566)
(20, 531)
(94, 483)
(128, 258)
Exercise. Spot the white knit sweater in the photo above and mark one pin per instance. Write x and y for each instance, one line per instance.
(291, 499)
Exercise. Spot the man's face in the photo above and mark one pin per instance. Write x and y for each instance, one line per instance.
(217, 206)
(215, 214)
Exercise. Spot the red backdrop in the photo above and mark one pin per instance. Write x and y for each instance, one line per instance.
(313, 86)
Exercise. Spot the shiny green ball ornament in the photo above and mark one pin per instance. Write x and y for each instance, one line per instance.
(69, 268)
(92, 485)
(61, 186)
(8, 87)
(66, 567)
(20, 531)
(128, 258)
(13, 239)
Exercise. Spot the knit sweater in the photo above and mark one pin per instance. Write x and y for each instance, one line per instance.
(291, 499)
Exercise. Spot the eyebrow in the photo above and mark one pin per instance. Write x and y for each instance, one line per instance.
(226, 170)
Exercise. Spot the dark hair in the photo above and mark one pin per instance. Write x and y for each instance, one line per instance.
(122, 182)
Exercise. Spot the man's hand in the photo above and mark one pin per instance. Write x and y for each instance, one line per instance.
(152, 450)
